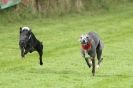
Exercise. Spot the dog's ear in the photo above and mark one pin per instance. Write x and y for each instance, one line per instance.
(29, 31)
(20, 29)
(81, 36)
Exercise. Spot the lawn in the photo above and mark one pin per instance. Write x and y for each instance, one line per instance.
(63, 65)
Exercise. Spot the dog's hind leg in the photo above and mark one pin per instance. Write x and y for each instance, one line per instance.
(99, 54)
(93, 66)
(40, 52)
(40, 57)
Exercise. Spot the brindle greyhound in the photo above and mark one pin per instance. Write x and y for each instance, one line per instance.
(91, 45)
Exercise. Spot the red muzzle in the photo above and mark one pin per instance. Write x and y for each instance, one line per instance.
(86, 46)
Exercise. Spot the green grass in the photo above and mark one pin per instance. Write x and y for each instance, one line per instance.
(63, 65)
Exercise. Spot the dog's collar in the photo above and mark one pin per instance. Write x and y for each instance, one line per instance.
(29, 36)
(86, 46)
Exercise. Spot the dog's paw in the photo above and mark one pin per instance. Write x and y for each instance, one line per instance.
(22, 55)
(41, 63)
(90, 64)
(97, 66)
(90, 61)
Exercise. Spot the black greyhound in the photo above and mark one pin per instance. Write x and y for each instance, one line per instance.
(91, 45)
(29, 43)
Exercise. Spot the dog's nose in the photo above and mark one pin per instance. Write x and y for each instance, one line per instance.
(83, 41)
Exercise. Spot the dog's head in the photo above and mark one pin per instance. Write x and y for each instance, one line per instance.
(85, 42)
(84, 39)
(25, 35)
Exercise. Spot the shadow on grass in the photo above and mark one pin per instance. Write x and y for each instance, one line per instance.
(54, 71)
(115, 75)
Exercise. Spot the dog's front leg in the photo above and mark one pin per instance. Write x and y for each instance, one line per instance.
(25, 52)
(85, 55)
(22, 52)
(87, 58)
(88, 61)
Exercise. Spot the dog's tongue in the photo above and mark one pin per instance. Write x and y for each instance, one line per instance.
(86, 46)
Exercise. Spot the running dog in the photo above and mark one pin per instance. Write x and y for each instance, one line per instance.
(29, 43)
(91, 45)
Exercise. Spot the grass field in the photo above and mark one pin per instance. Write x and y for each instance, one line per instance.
(63, 65)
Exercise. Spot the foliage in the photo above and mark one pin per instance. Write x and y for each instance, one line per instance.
(36, 8)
